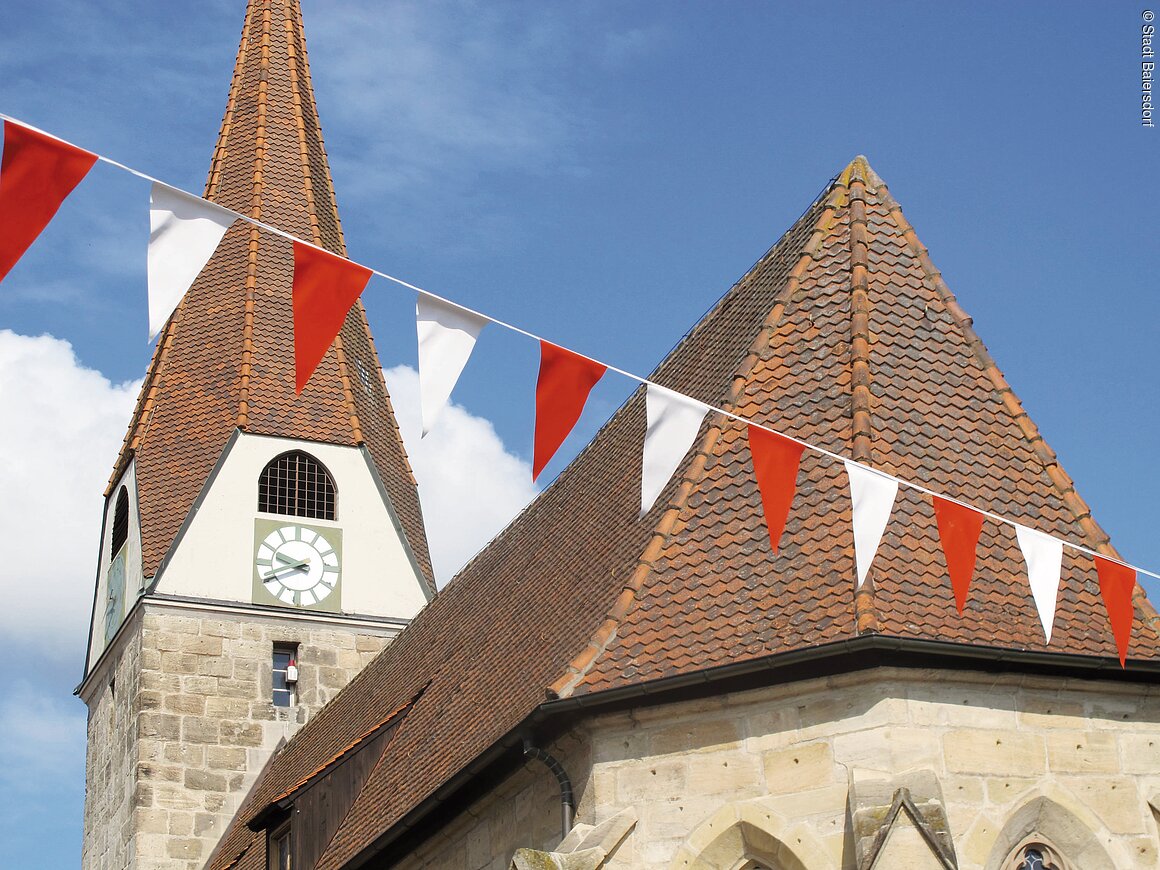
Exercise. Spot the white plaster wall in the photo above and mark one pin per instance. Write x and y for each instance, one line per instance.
(134, 582)
(214, 557)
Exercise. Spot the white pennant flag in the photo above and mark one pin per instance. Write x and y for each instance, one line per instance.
(1044, 556)
(184, 231)
(447, 335)
(673, 421)
(873, 495)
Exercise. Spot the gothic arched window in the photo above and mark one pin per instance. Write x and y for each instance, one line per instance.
(120, 523)
(1036, 854)
(298, 485)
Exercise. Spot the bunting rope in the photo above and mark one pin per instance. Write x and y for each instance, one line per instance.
(848, 462)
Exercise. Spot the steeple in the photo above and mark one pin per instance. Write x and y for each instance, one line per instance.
(248, 528)
(225, 360)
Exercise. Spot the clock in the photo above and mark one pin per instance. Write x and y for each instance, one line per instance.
(115, 595)
(297, 564)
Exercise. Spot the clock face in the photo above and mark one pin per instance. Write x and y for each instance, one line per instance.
(297, 564)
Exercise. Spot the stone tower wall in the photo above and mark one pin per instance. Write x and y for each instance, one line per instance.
(112, 698)
(174, 752)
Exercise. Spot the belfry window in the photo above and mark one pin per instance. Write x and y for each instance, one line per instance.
(120, 523)
(298, 485)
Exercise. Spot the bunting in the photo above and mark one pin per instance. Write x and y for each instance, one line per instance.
(37, 173)
(775, 465)
(1044, 557)
(959, 528)
(447, 336)
(565, 380)
(872, 494)
(673, 422)
(184, 231)
(1117, 582)
(325, 287)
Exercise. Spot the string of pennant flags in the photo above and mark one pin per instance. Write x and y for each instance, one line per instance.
(38, 171)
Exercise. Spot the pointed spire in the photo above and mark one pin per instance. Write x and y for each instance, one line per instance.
(270, 161)
(225, 360)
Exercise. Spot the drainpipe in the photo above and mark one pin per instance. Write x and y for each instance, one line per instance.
(567, 801)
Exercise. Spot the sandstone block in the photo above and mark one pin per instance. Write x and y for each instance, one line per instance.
(163, 725)
(696, 735)
(179, 663)
(732, 775)
(180, 823)
(196, 729)
(219, 628)
(241, 733)
(1115, 800)
(798, 768)
(1012, 753)
(212, 666)
(226, 708)
(190, 705)
(1083, 752)
(185, 848)
(225, 758)
(639, 781)
(204, 780)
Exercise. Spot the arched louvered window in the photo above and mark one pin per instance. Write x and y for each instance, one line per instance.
(298, 485)
(120, 523)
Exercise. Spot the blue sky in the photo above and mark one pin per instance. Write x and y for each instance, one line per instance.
(598, 173)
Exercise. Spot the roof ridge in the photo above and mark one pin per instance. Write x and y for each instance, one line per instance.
(1097, 538)
(292, 33)
(579, 666)
(862, 418)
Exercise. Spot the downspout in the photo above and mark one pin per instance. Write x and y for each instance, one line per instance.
(567, 801)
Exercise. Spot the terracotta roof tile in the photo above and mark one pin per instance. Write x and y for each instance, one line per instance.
(225, 360)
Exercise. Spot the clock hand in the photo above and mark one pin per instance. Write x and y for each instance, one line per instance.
(292, 566)
(290, 561)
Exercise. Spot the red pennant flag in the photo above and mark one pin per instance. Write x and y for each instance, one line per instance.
(36, 174)
(325, 287)
(775, 465)
(959, 528)
(566, 379)
(1116, 585)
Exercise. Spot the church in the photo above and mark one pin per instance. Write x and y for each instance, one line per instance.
(274, 683)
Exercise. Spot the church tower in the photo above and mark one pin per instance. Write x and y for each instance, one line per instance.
(259, 547)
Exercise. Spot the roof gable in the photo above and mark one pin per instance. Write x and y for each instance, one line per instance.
(842, 334)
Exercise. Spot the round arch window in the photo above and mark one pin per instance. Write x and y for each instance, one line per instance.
(298, 485)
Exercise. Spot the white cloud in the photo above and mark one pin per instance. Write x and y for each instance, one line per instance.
(469, 484)
(63, 425)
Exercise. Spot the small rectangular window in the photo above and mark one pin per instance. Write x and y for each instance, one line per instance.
(285, 691)
(280, 858)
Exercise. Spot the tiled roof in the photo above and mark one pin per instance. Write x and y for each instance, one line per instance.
(225, 360)
(844, 335)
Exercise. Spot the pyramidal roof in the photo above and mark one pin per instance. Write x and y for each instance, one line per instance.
(225, 360)
(843, 335)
